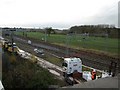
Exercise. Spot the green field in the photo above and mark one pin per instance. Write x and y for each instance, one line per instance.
(106, 45)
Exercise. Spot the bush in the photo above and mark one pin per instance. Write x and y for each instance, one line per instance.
(25, 74)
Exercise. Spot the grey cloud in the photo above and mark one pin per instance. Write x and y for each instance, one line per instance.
(119, 14)
(108, 16)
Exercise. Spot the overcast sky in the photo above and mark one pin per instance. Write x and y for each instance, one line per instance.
(57, 13)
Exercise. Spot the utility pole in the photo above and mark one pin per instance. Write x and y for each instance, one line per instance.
(112, 68)
(106, 37)
(12, 40)
(12, 37)
(45, 35)
(68, 39)
(67, 43)
(26, 33)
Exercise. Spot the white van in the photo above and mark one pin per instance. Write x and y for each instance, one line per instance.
(71, 65)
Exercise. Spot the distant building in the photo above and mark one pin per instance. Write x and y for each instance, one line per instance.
(6, 32)
(58, 31)
(106, 26)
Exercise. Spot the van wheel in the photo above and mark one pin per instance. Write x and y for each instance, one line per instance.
(72, 83)
(64, 74)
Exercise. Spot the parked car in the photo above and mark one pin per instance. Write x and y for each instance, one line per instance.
(29, 42)
(39, 51)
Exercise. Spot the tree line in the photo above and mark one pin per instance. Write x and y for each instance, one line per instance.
(92, 30)
(96, 30)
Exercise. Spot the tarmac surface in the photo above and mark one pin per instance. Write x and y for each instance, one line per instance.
(108, 82)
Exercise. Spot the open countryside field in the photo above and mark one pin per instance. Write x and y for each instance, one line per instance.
(107, 45)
